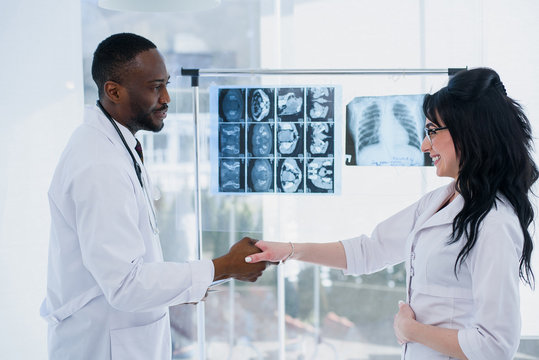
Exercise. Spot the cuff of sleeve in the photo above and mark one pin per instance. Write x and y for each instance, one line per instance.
(351, 269)
(202, 272)
(466, 343)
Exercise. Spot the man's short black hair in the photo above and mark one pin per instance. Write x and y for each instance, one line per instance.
(113, 55)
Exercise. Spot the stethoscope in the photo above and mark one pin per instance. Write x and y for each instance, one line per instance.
(138, 169)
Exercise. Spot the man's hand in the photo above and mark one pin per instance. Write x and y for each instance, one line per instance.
(233, 265)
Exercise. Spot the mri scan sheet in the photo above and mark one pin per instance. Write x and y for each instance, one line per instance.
(385, 131)
(275, 140)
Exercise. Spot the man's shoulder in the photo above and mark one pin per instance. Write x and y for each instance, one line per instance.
(89, 148)
(88, 141)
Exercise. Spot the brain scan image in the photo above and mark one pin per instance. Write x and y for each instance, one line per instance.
(290, 104)
(267, 139)
(290, 175)
(385, 131)
(318, 111)
(289, 139)
(260, 175)
(319, 92)
(231, 140)
(320, 175)
(231, 104)
(260, 141)
(260, 104)
(231, 175)
(320, 139)
(320, 104)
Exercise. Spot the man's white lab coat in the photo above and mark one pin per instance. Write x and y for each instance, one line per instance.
(108, 288)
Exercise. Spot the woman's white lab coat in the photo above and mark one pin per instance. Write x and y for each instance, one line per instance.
(108, 289)
(482, 303)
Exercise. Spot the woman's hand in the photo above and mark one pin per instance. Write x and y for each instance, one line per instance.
(271, 251)
(402, 322)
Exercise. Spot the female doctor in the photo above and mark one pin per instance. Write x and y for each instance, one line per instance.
(465, 244)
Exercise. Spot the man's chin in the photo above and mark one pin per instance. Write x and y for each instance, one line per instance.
(156, 125)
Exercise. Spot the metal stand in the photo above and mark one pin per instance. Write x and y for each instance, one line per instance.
(195, 74)
(250, 72)
(201, 320)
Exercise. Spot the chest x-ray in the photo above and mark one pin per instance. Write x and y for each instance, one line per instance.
(385, 131)
(274, 140)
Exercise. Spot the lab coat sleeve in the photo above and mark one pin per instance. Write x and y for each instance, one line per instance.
(386, 245)
(113, 248)
(494, 267)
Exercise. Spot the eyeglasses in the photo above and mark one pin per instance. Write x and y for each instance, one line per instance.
(430, 132)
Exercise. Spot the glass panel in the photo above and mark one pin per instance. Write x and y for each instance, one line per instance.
(328, 315)
(240, 318)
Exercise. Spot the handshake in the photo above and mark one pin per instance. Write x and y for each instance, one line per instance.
(246, 260)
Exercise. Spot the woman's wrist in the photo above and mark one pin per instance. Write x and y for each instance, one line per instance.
(291, 253)
(411, 328)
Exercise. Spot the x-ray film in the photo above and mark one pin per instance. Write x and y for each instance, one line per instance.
(385, 131)
(275, 140)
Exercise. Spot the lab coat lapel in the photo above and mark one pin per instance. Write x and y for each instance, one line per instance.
(432, 217)
(95, 118)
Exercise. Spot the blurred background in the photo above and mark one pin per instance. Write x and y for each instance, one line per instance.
(295, 311)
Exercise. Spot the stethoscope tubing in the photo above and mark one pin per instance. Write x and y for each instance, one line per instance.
(137, 167)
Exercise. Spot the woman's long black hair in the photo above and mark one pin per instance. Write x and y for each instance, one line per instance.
(492, 137)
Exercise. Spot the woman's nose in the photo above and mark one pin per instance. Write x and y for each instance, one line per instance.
(426, 145)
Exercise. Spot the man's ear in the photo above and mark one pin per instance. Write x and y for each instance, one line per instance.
(113, 91)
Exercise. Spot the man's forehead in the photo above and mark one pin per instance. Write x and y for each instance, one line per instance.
(150, 65)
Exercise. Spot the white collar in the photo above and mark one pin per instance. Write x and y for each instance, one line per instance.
(102, 122)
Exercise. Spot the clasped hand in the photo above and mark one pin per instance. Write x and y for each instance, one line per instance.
(402, 321)
(233, 265)
(272, 252)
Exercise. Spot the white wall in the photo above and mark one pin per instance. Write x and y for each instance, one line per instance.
(41, 101)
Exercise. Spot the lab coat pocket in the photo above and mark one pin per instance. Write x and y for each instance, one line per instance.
(149, 341)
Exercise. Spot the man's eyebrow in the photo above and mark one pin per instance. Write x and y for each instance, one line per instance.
(160, 80)
(430, 125)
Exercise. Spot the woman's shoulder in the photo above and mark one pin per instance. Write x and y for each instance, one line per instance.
(501, 223)
(502, 209)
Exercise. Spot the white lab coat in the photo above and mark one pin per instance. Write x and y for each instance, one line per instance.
(483, 303)
(108, 288)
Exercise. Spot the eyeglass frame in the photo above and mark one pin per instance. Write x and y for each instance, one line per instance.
(432, 131)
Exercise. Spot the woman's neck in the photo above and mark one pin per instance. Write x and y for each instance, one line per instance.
(449, 200)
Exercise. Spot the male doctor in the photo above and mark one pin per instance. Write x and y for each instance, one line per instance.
(108, 289)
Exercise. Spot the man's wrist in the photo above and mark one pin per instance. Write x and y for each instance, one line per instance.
(220, 268)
